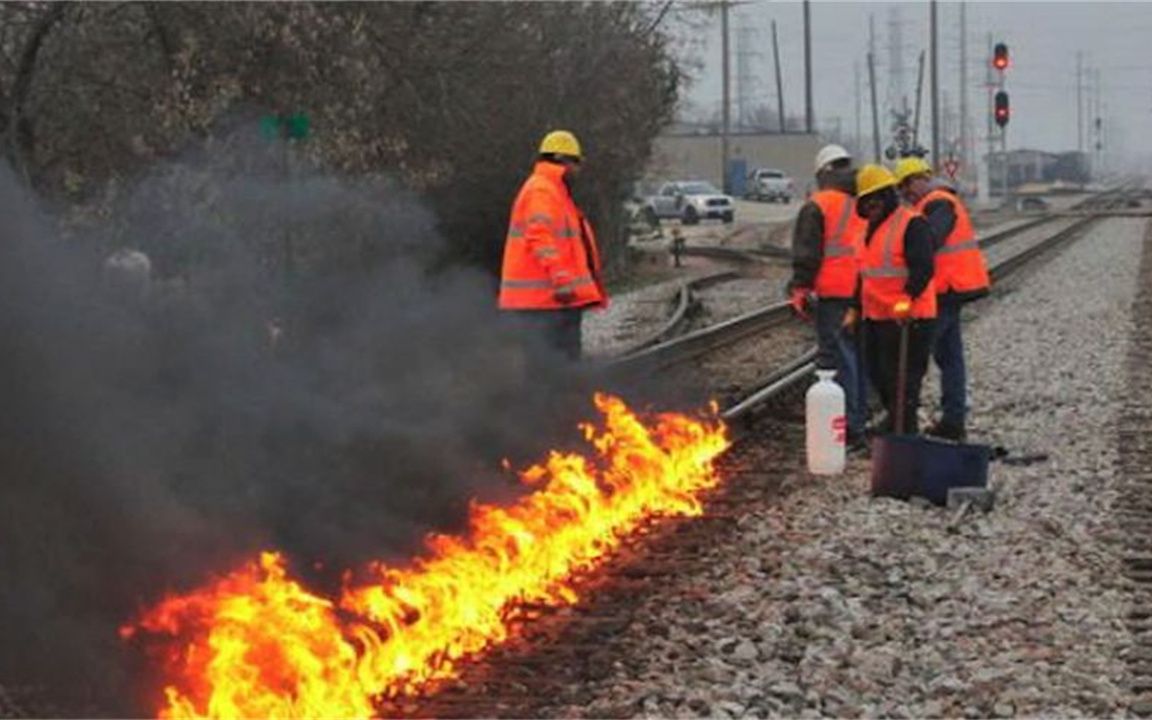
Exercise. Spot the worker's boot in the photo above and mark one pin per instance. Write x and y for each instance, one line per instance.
(947, 431)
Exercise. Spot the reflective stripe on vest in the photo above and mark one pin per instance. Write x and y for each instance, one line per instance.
(840, 244)
(888, 267)
(885, 275)
(960, 264)
(958, 247)
(549, 248)
(540, 284)
(835, 246)
(565, 233)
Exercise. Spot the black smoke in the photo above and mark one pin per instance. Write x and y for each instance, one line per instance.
(147, 442)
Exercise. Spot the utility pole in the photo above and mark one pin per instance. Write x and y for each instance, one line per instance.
(1097, 124)
(725, 119)
(1079, 102)
(947, 121)
(984, 189)
(872, 83)
(1089, 114)
(746, 77)
(963, 87)
(897, 95)
(809, 117)
(856, 73)
(779, 78)
(875, 109)
(934, 42)
(919, 88)
(1004, 155)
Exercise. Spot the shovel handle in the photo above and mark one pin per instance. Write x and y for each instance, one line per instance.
(901, 378)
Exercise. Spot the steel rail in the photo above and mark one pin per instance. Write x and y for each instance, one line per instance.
(651, 355)
(717, 252)
(683, 301)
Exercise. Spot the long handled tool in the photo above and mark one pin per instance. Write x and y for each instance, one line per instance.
(902, 379)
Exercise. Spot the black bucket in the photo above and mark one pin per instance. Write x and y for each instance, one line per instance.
(907, 465)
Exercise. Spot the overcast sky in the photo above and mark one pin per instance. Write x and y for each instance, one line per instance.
(1043, 37)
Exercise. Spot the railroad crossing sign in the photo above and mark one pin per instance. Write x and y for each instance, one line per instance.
(951, 167)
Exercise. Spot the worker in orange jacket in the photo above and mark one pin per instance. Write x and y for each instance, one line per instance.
(826, 242)
(551, 272)
(897, 295)
(961, 276)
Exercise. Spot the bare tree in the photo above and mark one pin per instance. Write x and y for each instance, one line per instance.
(448, 98)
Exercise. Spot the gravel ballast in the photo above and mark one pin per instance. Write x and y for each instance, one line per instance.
(831, 603)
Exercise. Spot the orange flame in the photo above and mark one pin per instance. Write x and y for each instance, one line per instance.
(257, 644)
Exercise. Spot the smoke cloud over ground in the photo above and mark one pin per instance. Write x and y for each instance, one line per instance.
(148, 440)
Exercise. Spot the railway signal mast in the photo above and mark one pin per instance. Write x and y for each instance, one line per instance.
(1001, 112)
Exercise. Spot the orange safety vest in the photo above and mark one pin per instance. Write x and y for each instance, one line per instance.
(550, 247)
(885, 271)
(843, 237)
(960, 264)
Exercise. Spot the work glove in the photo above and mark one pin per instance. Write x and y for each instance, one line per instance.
(801, 301)
(902, 308)
(564, 296)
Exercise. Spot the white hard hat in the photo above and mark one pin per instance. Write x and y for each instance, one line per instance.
(830, 154)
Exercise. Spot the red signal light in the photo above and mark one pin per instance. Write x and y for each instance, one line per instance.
(1000, 57)
(1001, 112)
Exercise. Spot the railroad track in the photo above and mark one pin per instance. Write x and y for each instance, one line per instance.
(685, 299)
(659, 350)
(683, 303)
(556, 656)
(666, 346)
(715, 337)
(795, 374)
(1134, 504)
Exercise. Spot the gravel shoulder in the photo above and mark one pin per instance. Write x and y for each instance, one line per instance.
(830, 603)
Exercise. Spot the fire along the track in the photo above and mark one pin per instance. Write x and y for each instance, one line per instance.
(256, 643)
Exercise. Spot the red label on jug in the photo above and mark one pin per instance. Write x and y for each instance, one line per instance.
(839, 429)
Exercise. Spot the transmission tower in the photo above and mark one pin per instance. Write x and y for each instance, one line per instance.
(746, 75)
(897, 99)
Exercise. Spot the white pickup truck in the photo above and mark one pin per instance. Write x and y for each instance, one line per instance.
(771, 185)
(690, 202)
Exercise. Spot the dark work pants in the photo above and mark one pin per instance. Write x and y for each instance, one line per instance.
(883, 347)
(836, 350)
(948, 353)
(555, 329)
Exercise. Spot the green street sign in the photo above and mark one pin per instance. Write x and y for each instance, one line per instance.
(296, 126)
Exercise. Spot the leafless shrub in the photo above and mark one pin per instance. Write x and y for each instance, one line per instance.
(447, 98)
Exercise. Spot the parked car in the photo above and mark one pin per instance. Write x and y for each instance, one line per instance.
(689, 201)
(771, 185)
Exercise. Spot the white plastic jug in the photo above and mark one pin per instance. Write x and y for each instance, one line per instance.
(826, 425)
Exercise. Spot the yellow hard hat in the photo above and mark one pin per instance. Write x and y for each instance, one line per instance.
(871, 178)
(909, 166)
(561, 142)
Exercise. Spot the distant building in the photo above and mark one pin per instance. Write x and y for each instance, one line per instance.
(1071, 167)
(1033, 167)
(694, 154)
